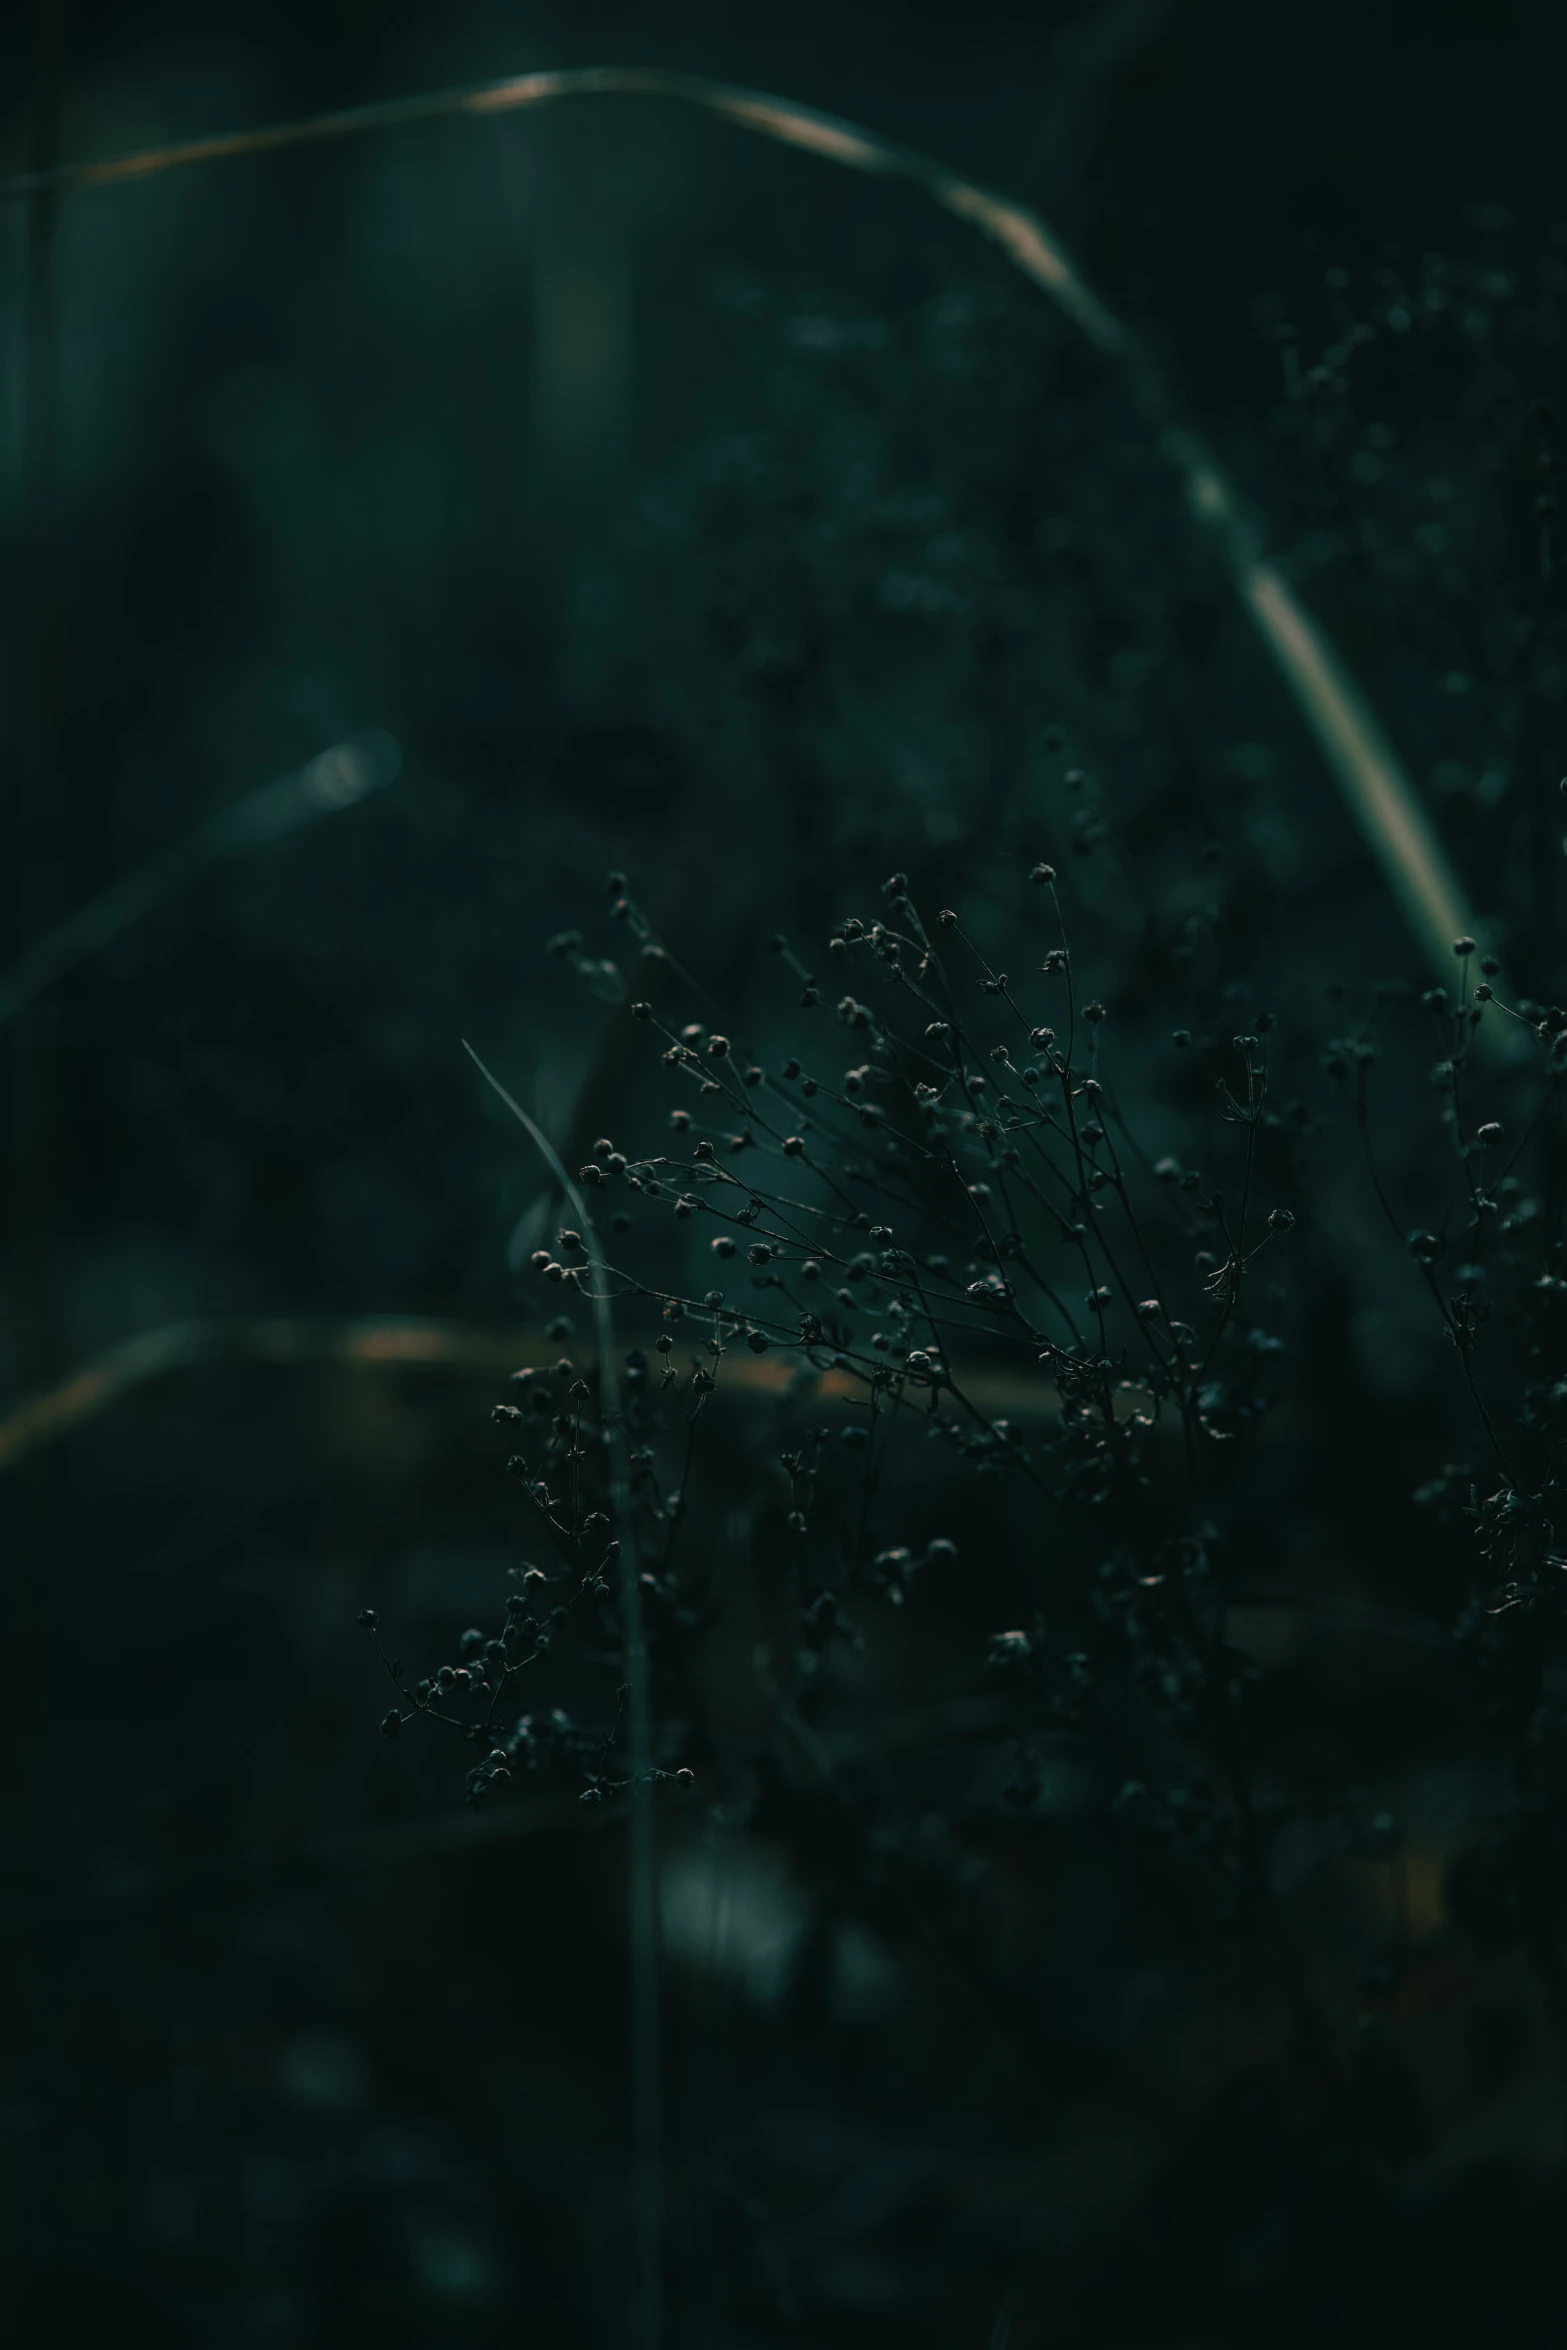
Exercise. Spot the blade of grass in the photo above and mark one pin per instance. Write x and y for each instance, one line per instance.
(646, 2032)
(1380, 795)
(337, 778)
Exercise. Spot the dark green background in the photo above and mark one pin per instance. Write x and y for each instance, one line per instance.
(790, 584)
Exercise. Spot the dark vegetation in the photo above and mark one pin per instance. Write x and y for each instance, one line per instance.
(996, 1457)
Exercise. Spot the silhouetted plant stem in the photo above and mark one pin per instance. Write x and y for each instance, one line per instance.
(646, 2029)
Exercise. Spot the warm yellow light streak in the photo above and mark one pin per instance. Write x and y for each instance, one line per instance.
(406, 1343)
